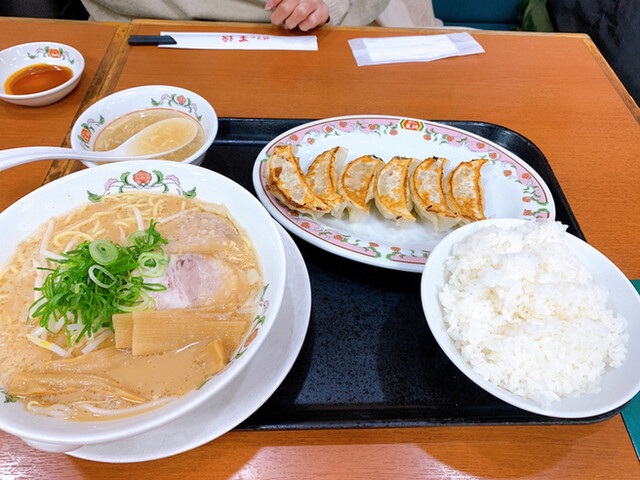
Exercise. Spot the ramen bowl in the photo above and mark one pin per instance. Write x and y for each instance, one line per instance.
(115, 118)
(19, 57)
(57, 198)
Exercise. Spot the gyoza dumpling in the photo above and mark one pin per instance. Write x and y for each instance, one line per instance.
(322, 177)
(464, 192)
(356, 185)
(289, 185)
(392, 193)
(428, 195)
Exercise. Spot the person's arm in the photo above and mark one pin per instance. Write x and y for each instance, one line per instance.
(303, 14)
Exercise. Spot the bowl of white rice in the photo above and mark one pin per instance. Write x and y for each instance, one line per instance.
(535, 316)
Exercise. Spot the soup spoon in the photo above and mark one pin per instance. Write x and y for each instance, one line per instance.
(158, 139)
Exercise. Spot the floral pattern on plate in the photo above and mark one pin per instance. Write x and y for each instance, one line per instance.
(512, 188)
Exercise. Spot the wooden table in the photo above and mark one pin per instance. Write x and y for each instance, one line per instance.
(554, 89)
(27, 126)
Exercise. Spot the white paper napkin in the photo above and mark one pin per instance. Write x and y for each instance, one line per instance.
(415, 48)
(240, 41)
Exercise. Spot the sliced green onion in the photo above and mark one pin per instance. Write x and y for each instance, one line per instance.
(94, 278)
(143, 302)
(139, 237)
(152, 264)
(154, 287)
(87, 286)
(103, 252)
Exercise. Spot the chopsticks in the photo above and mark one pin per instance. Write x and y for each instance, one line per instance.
(151, 40)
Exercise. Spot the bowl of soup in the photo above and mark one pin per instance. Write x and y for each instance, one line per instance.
(39, 73)
(113, 120)
(130, 293)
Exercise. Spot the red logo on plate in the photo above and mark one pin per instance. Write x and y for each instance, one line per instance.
(411, 125)
(86, 135)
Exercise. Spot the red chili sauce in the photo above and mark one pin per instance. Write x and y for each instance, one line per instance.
(37, 78)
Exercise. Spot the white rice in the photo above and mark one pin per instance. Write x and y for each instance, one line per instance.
(527, 316)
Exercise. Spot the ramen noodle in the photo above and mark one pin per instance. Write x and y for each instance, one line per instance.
(193, 321)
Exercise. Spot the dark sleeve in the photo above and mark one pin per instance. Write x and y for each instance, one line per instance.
(613, 26)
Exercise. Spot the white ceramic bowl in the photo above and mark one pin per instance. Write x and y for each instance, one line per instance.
(18, 57)
(56, 198)
(94, 119)
(618, 386)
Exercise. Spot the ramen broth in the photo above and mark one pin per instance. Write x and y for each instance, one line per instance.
(123, 128)
(93, 379)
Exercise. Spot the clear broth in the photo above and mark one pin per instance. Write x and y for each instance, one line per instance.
(123, 128)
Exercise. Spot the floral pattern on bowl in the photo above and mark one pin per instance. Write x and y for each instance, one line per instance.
(52, 52)
(173, 100)
(512, 188)
(18, 57)
(88, 129)
(180, 101)
(101, 114)
(142, 180)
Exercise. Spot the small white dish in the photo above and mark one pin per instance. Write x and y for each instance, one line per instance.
(512, 188)
(16, 58)
(617, 386)
(159, 177)
(240, 399)
(93, 121)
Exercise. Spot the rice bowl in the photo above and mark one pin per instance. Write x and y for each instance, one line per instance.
(527, 321)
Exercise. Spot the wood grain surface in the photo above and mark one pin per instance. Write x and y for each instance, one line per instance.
(557, 90)
(600, 451)
(48, 125)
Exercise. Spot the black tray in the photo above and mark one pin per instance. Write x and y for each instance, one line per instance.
(369, 359)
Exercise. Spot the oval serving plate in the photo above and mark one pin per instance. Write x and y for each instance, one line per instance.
(512, 188)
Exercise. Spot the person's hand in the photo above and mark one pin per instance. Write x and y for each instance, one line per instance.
(304, 14)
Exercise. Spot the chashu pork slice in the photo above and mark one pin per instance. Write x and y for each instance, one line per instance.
(322, 176)
(196, 280)
(463, 190)
(357, 183)
(197, 231)
(427, 194)
(288, 183)
(392, 192)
